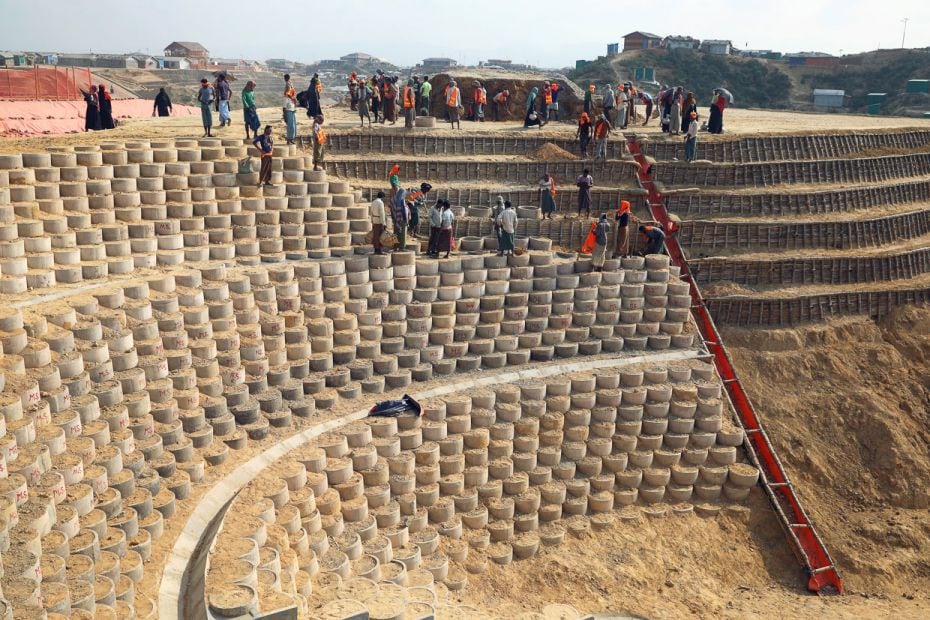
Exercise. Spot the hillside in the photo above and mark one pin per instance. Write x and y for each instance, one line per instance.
(754, 83)
(775, 84)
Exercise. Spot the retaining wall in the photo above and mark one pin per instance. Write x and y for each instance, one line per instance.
(565, 200)
(705, 204)
(798, 235)
(456, 144)
(779, 173)
(747, 312)
(777, 148)
(465, 170)
(823, 270)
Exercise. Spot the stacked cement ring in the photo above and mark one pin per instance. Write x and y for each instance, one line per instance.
(386, 513)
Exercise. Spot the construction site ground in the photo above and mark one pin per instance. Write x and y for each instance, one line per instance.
(846, 403)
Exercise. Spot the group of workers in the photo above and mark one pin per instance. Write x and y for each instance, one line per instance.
(98, 113)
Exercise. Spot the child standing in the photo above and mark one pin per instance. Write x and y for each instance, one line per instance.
(265, 145)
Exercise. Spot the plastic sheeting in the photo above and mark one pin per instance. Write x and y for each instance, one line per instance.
(39, 118)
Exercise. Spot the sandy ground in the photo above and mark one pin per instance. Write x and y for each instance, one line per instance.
(738, 123)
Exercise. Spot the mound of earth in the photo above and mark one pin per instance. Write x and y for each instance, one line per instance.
(519, 85)
(551, 152)
(847, 405)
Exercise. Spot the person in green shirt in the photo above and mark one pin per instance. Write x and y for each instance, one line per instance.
(425, 89)
(249, 112)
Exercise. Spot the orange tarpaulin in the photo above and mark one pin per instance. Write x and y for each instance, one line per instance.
(36, 118)
(44, 83)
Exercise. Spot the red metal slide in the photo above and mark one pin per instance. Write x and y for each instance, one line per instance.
(822, 576)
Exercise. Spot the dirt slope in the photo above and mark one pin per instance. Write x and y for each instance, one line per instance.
(848, 407)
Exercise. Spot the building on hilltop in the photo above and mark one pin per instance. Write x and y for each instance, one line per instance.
(197, 54)
(144, 61)
(172, 62)
(681, 43)
(767, 54)
(613, 49)
(102, 61)
(718, 47)
(829, 98)
(812, 59)
(12, 59)
(360, 57)
(641, 41)
(437, 65)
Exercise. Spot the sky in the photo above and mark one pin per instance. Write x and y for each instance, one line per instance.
(546, 33)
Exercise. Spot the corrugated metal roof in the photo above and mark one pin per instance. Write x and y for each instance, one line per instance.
(829, 91)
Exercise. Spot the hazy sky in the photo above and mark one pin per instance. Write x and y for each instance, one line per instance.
(550, 33)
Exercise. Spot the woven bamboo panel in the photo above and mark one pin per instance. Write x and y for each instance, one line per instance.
(455, 145)
(566, 200)
(820, 270)
(775, 148)
(707, 235)
(770, 174)
(470, 170)
(707, 204)
(749, 312)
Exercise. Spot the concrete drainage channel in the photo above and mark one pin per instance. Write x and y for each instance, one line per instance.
(182, 590)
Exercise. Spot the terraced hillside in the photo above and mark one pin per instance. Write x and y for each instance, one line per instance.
(834, 230)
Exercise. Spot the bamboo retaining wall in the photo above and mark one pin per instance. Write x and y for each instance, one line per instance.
(870, 170)
(565, 172)
(775, 148)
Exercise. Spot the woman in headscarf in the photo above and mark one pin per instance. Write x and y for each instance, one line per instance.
(547, 196)
(715, 123)
(92, 112)
(394, 179)
(163, 104)
(290, 109)
(389, 100)
(106, 108)
(249, 111)
(313, 96)
(532, 116)
(585, 129)
(674, 119)
(689, 106)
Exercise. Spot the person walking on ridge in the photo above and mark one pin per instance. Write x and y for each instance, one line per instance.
(249, 111)
(163, 104)
(206, 96)
(290, 109)
(584, 182)
(265, 145)
(223, 94)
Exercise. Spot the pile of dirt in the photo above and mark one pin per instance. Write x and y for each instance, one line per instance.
(570, 98)
(847, 405)
(551, 152)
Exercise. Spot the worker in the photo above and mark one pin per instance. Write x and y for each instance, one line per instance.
(425, 89)
(600, 243)
(500, 104)
(319, 142)
(399, 217)
(547, 101)
(589, 99)
(496, 210)
(453, 102)
(608, 101)
(376, 213)
(553, 110)
(410, 105)
(654, 237)
(508, 224)
(480, 100)
(646, 98)
(622, 217)
(601, 132)
(691, 138)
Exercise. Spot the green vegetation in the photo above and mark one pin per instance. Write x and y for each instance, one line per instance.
(753, 83)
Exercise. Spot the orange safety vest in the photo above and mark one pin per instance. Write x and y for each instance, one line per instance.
(548, 94)
(408, 97)
(320, 136)
(552, 186)
(600, 129)
(453, 97)
(480, 96)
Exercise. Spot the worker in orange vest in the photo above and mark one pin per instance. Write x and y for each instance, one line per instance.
(453, 101)
(410, 105)
(480, 100)
(622, 217)
(552, 107)
(547, 101)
